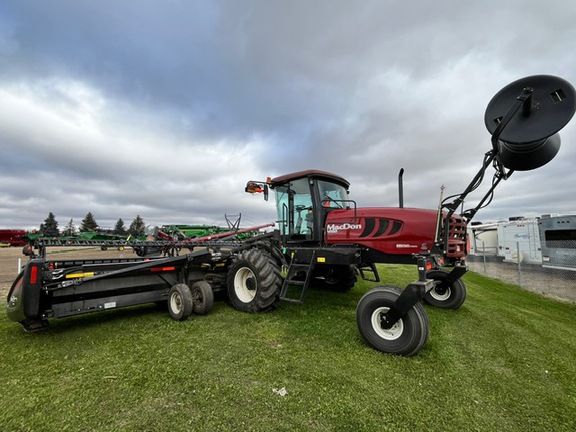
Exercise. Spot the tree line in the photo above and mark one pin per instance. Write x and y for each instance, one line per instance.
(50, 226)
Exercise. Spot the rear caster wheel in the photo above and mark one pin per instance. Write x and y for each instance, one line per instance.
(445, 295)
(406, 337)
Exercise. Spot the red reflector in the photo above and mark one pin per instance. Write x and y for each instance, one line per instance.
(33, 275)
(429, 265)
(162, 269)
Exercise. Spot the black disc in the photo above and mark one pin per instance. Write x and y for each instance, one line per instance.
(553, 105)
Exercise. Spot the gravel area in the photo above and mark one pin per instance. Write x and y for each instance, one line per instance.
(9, 257)
(553, 283)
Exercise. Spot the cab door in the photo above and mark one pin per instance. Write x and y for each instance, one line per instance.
(295, 206)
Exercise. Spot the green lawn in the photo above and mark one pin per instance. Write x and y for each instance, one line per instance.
(506, 361)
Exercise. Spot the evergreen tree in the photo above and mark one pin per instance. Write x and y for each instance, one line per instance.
(137, 227)
(120, 228)
(50, 226)
(88, 223)
(70, 229)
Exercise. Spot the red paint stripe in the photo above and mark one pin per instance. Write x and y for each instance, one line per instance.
(162, 269)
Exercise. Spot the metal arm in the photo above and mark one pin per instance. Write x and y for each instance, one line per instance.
(524, 101)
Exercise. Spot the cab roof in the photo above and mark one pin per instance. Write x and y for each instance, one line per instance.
(314, 173)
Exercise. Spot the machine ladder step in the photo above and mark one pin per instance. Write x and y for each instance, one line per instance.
(369, 268)
(297, 279)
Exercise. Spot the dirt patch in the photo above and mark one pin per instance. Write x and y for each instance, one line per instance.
(9, 256)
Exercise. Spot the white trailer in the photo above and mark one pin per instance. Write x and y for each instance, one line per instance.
(558, 236)
(483, 239)
(519, 241)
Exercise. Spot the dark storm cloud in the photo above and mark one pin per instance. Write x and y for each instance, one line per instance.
(166, 108)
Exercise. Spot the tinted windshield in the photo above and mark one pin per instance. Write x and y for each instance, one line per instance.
(332, 195)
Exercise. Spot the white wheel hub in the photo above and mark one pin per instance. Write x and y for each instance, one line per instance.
(245, 285)
(440, 297)
(393, 332)
(176, 302)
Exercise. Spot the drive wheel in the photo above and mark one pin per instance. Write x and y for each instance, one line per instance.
(202, 298)
(445, 295)
(180, 302)
(406, 338)
(254, 281)
(339, 278)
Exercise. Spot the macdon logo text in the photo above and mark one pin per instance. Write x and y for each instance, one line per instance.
(333, 228)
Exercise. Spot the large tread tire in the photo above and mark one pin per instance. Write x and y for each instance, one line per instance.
(254, 281)
(180, 302)
(202, 298)
(445, 295)
(338, 278)
(406, 338)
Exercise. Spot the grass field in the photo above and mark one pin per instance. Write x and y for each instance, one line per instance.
(504, 362)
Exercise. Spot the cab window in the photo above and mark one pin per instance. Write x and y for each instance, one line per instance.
(294, 205)
(332, 195)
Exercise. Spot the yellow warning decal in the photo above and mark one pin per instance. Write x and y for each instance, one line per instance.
(79, 275)
(321, 259)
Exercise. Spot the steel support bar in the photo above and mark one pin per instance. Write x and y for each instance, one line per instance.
(411, 295)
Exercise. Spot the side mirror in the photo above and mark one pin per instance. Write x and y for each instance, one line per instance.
(257, 187)
(524, 118)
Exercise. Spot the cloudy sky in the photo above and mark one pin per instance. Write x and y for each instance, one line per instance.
(164, 109)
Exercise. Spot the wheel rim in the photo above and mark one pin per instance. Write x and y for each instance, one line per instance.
(176, 302)
(245, 285)
(333, 277)
(393, 332)
(198, 299)
(441, 294)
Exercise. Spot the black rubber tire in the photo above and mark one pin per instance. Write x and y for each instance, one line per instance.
(338, 278)
(202, 297)
(180, 302)
(444, 295)
(406, 338)
(162, 304)
(254, 281)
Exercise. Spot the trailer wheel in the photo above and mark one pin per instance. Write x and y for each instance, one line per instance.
(340, 278)
(254, 281)
(445, 295)
(406, 338)
(180, 302)
(202, 297)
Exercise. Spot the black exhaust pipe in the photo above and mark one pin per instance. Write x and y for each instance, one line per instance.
(401, 188)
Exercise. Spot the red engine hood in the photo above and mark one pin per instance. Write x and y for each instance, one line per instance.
(402, 231)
